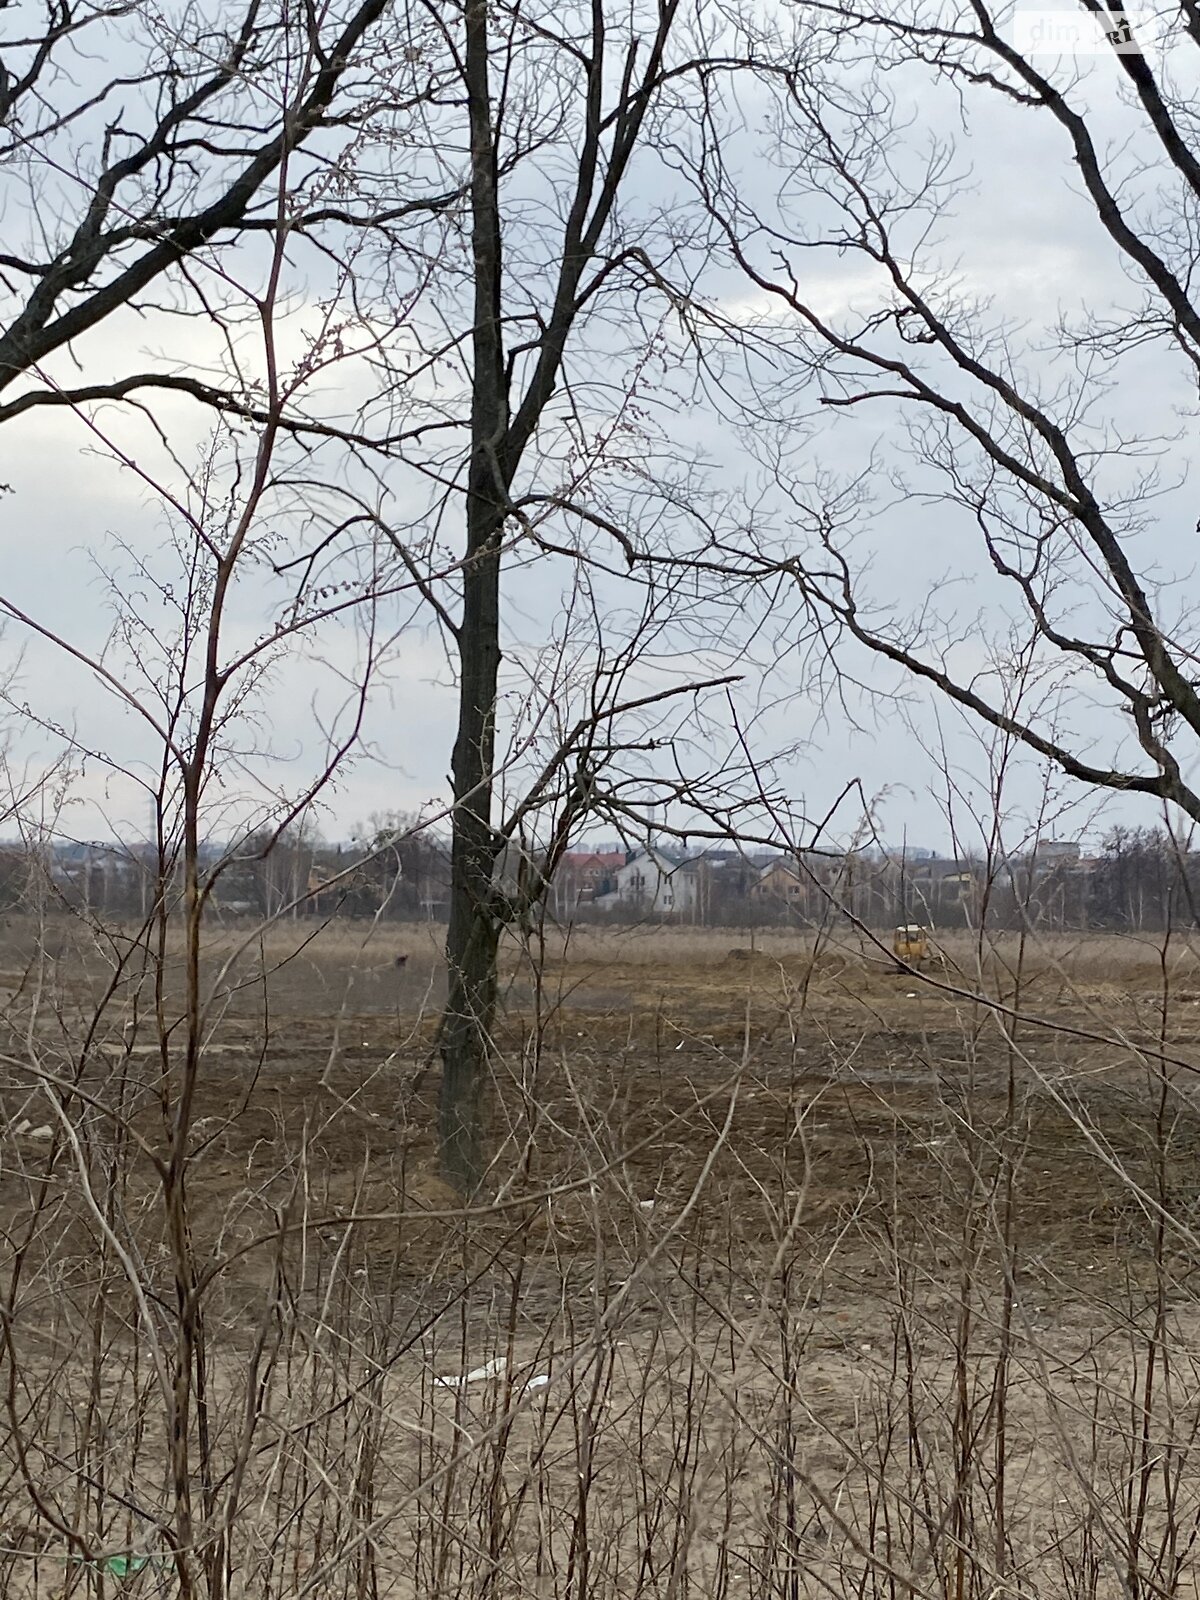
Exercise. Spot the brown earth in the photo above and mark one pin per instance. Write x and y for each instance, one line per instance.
(759, 1154)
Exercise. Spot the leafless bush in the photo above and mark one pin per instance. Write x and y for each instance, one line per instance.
(809, 1328)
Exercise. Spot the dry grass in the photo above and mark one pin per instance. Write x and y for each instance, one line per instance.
(841, 1288)
(1086, 956)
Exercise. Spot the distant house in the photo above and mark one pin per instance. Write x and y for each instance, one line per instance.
(1052, 883)
(1045, 858)
(1054, 852)
(1045, 855)
(582, 877)
(590, 872)
(780, 886)
(652, 885)
(946, 891)
(801, 886)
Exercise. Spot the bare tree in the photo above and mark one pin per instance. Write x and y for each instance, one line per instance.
(528, 399)
(609, 82)
(1047, 431)
(167, 150)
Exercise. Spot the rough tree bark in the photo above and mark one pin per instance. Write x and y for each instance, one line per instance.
(503, 422)
(473, 935)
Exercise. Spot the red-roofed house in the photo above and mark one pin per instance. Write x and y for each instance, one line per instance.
(581, 876)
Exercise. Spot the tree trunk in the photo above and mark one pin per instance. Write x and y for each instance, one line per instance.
(473, 935)
(500, 432)
(471, 947)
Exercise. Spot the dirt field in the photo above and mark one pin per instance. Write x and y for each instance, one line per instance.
(840, 1281)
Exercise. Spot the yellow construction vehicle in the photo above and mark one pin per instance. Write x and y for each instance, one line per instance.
(910, 944)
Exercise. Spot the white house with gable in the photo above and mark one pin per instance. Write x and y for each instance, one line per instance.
(652, 885)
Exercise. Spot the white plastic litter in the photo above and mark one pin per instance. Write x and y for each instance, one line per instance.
(911, 995)
(495, 1368)
(646, 1205)
(44, 1132)
(22, 1127)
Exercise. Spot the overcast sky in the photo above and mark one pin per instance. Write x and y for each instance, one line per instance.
(1015, 231)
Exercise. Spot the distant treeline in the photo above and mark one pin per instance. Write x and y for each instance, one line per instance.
(402, 877)
(1140, 879)
(1144, 879)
